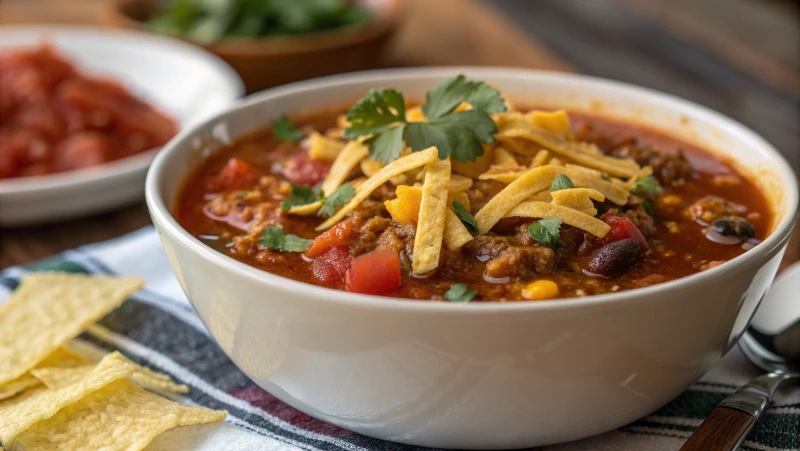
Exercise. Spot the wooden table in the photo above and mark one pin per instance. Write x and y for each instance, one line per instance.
(737, 56)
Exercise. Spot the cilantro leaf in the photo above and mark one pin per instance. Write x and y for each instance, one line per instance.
(273, 238)
(449, 94)
(648, 186)
(341, 196)
(546, 230)
(301, 195)
(465, 215)
(375, 113)
(387, 146)
(283, 129)
(605, 177)
(241, 196)
(459, 135)
(561, 182)
(649, 208)
(458, 293)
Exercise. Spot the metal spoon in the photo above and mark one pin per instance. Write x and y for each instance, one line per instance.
(773, 343)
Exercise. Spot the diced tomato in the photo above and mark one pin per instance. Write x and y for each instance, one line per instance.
(622, 228)
(374, 273)
(81, 150)
(331, 267)
(301, 169)
(338, 235)
(236, 175)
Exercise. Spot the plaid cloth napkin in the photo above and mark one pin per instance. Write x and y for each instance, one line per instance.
(158, 328)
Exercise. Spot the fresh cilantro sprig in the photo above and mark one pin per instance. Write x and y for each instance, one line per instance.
(465, 215)
(381, 114)
(284, 130)
(648, 186)
(561, 182)
(458, 292)
(546, 230)
(301, 195)
(273, 238)
(341, 196)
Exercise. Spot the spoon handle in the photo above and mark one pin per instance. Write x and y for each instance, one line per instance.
(727, 426)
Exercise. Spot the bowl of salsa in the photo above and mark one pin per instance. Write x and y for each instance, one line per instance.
(470, 249)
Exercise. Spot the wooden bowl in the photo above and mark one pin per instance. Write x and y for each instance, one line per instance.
(271, 61)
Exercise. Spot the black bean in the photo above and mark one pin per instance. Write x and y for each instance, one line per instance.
(617, 258)
(734, 226)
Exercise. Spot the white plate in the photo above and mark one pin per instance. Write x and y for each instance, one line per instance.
(179, 79)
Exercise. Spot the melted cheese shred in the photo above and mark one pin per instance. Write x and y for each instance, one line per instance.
(366, 188)
(432, 217)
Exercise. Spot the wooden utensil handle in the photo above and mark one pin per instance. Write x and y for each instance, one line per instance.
(723, 430)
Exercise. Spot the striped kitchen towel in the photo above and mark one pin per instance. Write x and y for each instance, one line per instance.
(158, 328)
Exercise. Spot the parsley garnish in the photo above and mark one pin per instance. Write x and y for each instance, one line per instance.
(605, 177)
(648, 206)
(561, 182)
(465, 215)
(241, 195)
(283, 129)
(648, 186)
(546, 230)
(273, 238)
(341, 196)
(458, 293)
(301, 195)
(381, 114)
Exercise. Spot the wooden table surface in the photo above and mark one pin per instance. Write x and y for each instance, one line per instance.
(741, 57)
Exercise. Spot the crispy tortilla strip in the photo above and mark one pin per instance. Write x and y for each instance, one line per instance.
(532, 181)
(432, 214)
(118, 417)
(459, 183)
(396, 167)
(541, 158)
(502, 157)
(456, 234)
(323, 148)
(38, 404)
(350, 155)
(47, 310)
(571, 217)
(371, 167)
(552, 121)
(647, 170)
(503, 174)
(569, 149)
(578, 199)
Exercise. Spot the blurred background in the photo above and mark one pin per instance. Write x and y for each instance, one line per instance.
(740, 57)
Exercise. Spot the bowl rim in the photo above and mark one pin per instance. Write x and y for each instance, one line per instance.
(164, 220)
(281, 44)
(124, 166)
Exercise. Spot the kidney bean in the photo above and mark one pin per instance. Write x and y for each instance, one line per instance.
(616, 258)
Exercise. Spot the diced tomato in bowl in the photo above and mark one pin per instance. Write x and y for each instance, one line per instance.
(373, 273)
(236, 175)
(301, 169)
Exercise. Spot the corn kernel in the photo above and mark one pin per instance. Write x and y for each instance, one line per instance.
(540, 290)
(405, 208)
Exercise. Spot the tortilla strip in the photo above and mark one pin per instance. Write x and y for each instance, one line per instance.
(459, 183)
(571, 217)
(533, 181)
(396, 167)
(503, 157)
(579, 199)
(581, 177)
(569, 149)
(541, 158)
(432, 214)
(456, 233)
(323, 148)
(348, 158)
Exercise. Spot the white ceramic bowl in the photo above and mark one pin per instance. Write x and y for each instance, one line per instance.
(179, 79)
(474, 375)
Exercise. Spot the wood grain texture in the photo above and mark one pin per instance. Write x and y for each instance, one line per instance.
(742, 64)
(723, 430)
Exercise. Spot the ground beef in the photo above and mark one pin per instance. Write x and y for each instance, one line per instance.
(485, 247)
(521, 261)
(638, 215)
(709, 208)
(365, 211)
(668, 168)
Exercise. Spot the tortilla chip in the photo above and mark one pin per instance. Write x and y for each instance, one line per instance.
(532, 181)
(529, 209)
(572, 150)
(432, 213)
(38, 404)
(551, 121)
(396, 167)
(18, 385)
(120, 416)
(47, 310)
(323, 148)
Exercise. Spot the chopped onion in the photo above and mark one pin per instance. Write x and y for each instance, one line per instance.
(717, 237)
(496, 280)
